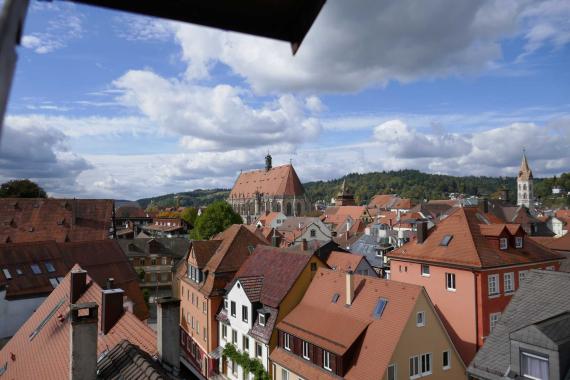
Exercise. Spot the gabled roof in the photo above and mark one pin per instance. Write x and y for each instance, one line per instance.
(41, 219)
(343, 261)
(173, 247)
(383, 200)
(379, 335)
(267, 218)
(469, 246)
(277, 181)
(264, 232)
(46, 356)
(541, 296)
(203, 250)
(338, 214)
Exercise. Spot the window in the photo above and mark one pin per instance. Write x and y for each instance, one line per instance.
(234, 337)
(245, 342)
(335, 298)
(53, 282)
(262, 319)
(534, 366)
(19, 272)
(141, 261)
(414, 367)
(287, 341)
(445, 240)
(550, 267)
(224, 331)
(503, 243)
(493, 319)
(306, 350)
(426, 364)
(446, 360)
(164, 277)
(518, 242)
(326, 360)
(522, 275)
(450, 281)
(493, 283)
(204, 309)
(49, 266)
(205, 334)
(313, 267)
(234, 368)
(284, 374)
(233, 311)
(7, 274)
(509, 280)
(192, 323)
(313, 233)
(421, 319)
(379, 309)
(225, 303)
(36, 269)
(391, 375)
(153, 261)
(197, 327)
(258, 350)
(164, 260)
(244, 313)
(425, 270)
(153, 277)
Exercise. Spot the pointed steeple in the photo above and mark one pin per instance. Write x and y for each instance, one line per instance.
(524, 172)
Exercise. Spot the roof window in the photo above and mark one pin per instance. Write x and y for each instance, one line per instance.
(335, 298)
(380, 307)
(445, 240)
(7, 274)
(36, 269)
(49, 266)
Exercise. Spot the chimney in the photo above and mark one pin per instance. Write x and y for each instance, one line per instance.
(304, 245)
(268, 162)
(112, 305)
(78, 285)
(168, 320)
(83, 341)
(421, 232)
(349, 287)
(274, 239)
(110, 283)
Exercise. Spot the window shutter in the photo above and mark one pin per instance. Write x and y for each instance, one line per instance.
(319, 361)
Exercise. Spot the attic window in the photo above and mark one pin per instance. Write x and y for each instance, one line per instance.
(49, 266)
(518, 242)
(503, 243)
(380, 307)
(262, 319)
(53, 282)
(7, 274)
(335, 298)
(19, 272)
(445, 241)
(36, 269)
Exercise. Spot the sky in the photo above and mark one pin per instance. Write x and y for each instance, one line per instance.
(106, 104)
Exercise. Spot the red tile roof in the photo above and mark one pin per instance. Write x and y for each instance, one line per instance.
(471, 244)
(337, 215)
(267, 219)
(382, 200)
(46, 356)
(556, 243)
(39, 219)
(277, 181)
(343, 261)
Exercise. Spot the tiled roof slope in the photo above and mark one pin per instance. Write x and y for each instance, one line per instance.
(343, 261)
(279, 268)
(39, 219)
(203, 250)
(558, 244)
(469, 247)
(380, 335)
(102, 259)
(383, 200)
(126, 361)
(46, 356)
(277, 181)
(543, 295)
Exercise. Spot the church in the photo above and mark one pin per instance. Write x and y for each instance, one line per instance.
(525, 191)
(271, 189)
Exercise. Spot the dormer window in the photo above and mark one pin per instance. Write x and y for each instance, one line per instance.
(503, 243)
(534, 366)
(518, 242)
(261, 319)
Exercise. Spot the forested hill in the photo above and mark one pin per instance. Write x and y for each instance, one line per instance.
(406, 183)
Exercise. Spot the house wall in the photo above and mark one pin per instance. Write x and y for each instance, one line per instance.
(14, 313)
(457, 309)
(431, 338)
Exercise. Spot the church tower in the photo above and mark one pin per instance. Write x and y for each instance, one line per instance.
(344, 196)
(525, 188)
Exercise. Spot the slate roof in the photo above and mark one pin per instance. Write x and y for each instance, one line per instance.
(46, 356)
(543, 295)
(127, 361)
(469, 247)
(102, 259)
(41, 219)
(368, 245)
(171, 247)
(277, 181)
(379, 336)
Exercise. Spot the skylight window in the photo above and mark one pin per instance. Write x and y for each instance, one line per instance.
(446, 239)
(49, 266)
(36, 269)
(335, 298)
(53, 282)
(380, 307)
(7, 274)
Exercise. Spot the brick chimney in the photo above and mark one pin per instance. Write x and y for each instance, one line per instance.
(112, 308)
(83, 341)
(421, 232)
(78, 285)
(349, 287)
(168, 320)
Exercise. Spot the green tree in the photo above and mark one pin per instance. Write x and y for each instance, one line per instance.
(21, 188)
(216, 218)
(189, 215)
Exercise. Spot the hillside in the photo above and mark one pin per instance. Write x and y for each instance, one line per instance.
(407, 183)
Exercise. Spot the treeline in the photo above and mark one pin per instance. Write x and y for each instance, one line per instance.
(194, 198)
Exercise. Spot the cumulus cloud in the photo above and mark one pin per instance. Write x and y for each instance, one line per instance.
(216, 118)
(40, 154)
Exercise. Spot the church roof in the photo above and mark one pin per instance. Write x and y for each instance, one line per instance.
(277, 181)
(524, 172)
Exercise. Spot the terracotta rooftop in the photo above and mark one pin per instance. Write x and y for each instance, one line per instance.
(102, 259)
(338, 214)
(558, 244)
(264, 232)
(371, 358)
(382, 200)
(277, 181)
(267, 218)
(343, 261)
(46, 355)
(41, 219)
(472, 244)
(127, 361)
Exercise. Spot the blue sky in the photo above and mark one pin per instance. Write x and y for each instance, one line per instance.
(107, 104)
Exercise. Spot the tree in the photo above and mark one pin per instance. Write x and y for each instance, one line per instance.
(217, 217)
(189, 215)
(21, 188)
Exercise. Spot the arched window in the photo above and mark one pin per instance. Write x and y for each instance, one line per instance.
(520, 186)
(289, 211)
(298, 209)
(524, 195)
(524, 187)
